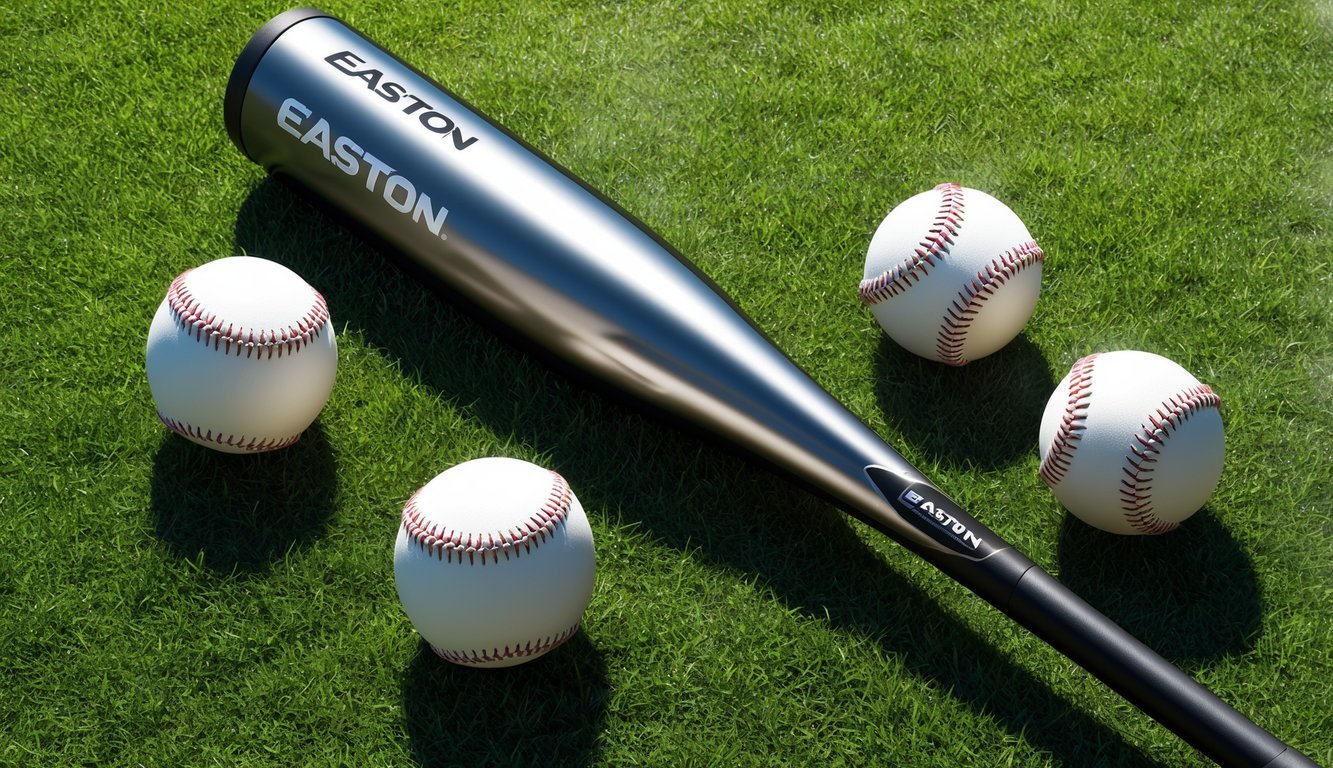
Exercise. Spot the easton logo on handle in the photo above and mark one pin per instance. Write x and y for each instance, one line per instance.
(928, 510)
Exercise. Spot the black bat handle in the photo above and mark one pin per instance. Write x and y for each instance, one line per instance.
(1153, 684)
(1011, 582)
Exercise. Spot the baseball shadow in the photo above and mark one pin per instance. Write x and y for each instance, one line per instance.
(239, 513)
(545, 712)
(689, 494)
(1191, 594)
(984, 414)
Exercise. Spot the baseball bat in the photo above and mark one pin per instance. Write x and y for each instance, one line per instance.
(377, 142)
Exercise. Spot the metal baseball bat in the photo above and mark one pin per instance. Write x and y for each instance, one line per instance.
(314, 102)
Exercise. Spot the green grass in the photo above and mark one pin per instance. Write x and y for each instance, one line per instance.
(164, 605)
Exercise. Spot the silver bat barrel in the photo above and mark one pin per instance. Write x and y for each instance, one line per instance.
(535, 248)
(377, 142)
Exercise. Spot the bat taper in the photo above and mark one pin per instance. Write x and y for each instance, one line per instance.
(317, 104)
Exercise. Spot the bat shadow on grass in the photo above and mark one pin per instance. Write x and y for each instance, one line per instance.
(688, 495)
(240, 513)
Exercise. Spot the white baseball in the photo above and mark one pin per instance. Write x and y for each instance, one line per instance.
(494, 562)
(952, 274)
(1131, 442)
(241, 355)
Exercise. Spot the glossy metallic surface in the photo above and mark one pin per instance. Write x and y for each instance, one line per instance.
(552, 259)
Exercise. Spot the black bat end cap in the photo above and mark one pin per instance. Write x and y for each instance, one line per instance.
(246, 63)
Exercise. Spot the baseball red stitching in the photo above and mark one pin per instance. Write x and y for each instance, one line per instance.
(228, 338)
(449, 545)
(964, 309)
(1072, 424)
(1141, 460)
(933, 247)
(232, 441)
(518, 650)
